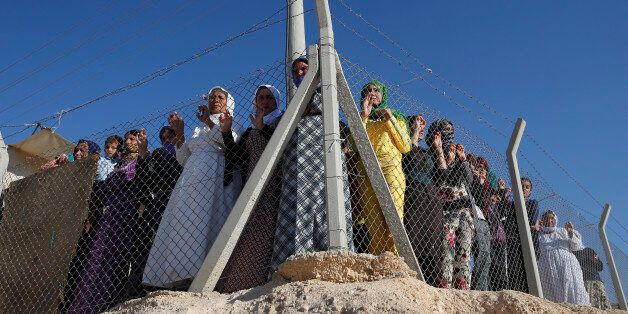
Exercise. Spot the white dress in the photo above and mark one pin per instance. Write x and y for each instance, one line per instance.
(198, 207)
(560, 272)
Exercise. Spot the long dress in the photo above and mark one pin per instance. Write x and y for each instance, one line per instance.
(560, 272)
(102, 282)
(390, 140)
(196, 211)
(157, 175)
(302, 216)
(250, 260)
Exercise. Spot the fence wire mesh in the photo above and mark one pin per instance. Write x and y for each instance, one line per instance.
(144, 215)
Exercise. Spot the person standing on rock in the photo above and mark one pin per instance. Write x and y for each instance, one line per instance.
(250, 260)
(559, 270)
(302, 216)
(451, 176)
(388, 132)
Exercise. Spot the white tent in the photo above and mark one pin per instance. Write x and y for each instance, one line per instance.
(26, 156)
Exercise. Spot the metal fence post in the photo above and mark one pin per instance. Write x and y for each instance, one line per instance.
(223, 246)
(374, 173)
(619, 291)
(527, 248)
(4, 161)
(334, 183)
(295, 40)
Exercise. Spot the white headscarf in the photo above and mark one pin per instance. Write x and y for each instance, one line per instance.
(273, 117)
(215, 118)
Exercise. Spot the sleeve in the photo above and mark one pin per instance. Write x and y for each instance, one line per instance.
(399, 133)
(235, 153)
(575, 242)
(183, 153)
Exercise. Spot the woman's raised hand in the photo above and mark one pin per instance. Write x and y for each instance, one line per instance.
(176, 122)
(202, 114)
(226, 121)
(257, 119)
(142, 143)
(367, 107)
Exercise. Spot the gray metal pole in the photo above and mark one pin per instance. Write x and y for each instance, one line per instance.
(334, 182)
(4, 161)
(221, 250)
(295, 40)
(529, 258)
(374, 173)
(619, 291)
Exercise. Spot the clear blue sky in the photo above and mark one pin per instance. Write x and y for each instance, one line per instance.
(561, 65)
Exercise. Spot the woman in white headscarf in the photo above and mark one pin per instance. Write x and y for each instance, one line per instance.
(560, 272)
(249, 263)
(201, 199)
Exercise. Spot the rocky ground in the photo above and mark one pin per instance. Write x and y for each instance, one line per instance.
(347, 283)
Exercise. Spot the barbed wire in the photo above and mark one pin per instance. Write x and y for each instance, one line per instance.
(106, 52)
(162, 36)
(84, 21)
(470, 96)
(67, 52)
(159, 73)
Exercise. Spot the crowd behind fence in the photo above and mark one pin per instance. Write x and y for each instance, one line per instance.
(135, 208)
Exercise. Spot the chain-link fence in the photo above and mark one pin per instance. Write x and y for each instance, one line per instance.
(83, 235)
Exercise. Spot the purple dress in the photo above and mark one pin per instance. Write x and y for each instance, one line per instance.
(102, 282)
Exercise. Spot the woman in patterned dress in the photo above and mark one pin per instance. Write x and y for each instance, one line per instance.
(302, 216)
(250, 260)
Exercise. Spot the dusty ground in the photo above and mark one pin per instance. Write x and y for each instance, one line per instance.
(348, 283)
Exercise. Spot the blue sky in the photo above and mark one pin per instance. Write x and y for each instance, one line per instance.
(561, 65)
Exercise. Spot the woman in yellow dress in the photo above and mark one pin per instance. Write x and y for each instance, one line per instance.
(388, 132)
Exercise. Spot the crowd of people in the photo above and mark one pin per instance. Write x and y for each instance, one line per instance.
(153, 216)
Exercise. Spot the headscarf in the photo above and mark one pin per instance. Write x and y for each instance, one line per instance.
(92, 148)
(215, 118)
(383, 105)
(273, 117)
(297, 80)
(131, 152)
(439, 126)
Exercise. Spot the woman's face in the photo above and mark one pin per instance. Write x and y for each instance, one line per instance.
(111, 149)
(549, 220)
(265, 101)
(527, 188)
(81, 151)
(130, 140)
(217, 102)
(299, 69)
(374, 94)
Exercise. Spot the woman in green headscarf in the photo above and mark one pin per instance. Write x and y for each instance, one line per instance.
(388, 132)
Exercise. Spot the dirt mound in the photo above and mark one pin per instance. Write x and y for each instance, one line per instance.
(343, 267)
(346, 282)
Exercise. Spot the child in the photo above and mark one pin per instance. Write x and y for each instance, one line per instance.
(113, 144)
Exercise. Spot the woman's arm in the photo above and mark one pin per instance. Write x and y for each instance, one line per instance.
(398, 131)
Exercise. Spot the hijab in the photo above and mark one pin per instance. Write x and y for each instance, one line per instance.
(446, 136)
(383, 105)
(273, 117)
(215, 118)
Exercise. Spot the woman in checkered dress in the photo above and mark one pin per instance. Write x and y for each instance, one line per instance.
(302, 216)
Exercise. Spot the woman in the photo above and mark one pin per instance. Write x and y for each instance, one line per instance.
(82, 149)
(250, 260)
(561, 275)
(423, 217)
(202, 198)
(103, 280)
(388, 132)
(302, 216)
(451, 176)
